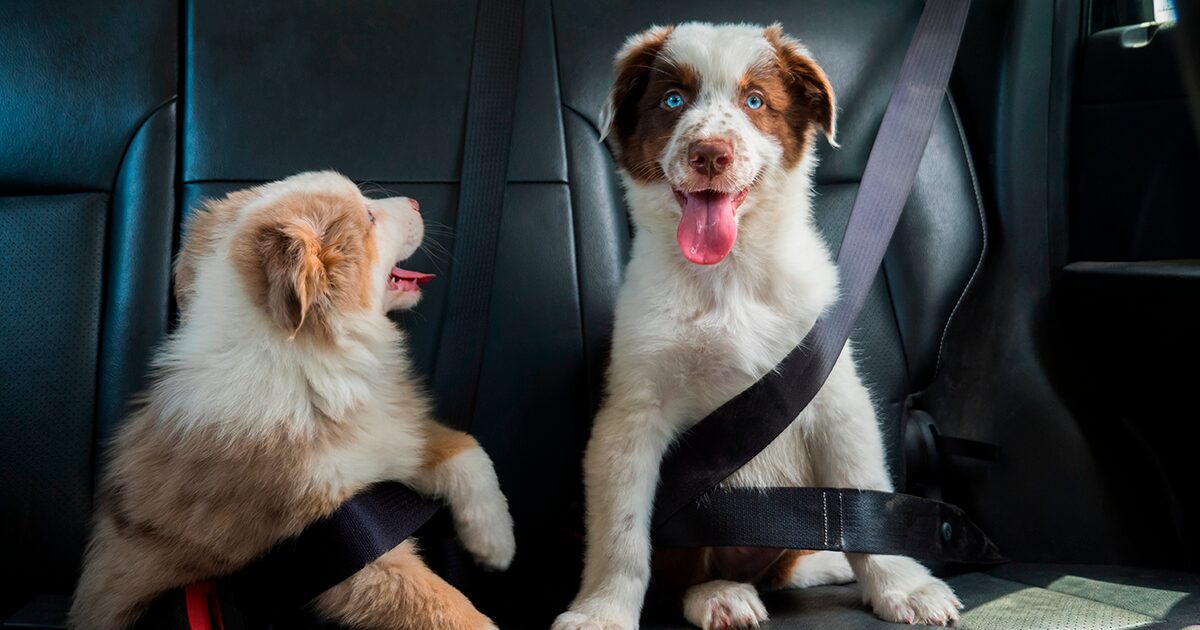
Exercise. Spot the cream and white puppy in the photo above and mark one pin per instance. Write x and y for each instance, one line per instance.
(713, 127)
(284, 391)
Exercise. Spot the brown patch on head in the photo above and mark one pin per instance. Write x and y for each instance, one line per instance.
(797, 97)
(306, 258)
(203, 230)
(634, 118)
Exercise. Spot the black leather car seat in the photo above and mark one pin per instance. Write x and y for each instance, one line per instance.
(87, 216)
(92, 182)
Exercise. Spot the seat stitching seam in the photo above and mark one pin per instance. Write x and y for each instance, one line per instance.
(592, 395)
(892, 302)
(825, 517)
(586, 120)
(841, 522)
(103, 326)
(982, 227)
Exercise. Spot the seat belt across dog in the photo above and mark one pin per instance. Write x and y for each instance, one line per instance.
(735, 433)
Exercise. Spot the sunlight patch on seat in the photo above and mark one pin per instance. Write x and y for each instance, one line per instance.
(997, 604)
(1153, 602)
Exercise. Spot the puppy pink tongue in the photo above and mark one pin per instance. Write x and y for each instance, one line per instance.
(416, 277)
(708, 227)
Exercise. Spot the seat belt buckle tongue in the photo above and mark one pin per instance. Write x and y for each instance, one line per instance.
(931, 459)
(924, 468)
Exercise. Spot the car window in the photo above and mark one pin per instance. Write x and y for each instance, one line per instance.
(1107, 14)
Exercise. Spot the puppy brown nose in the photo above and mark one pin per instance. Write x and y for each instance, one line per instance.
(710, 157)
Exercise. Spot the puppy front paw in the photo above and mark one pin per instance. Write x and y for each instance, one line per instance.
(487, 532)
(571, 620)
(469, 484)
(931, 603)
(723, 605)
(489, 537)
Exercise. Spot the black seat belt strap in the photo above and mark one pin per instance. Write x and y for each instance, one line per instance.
(495, 62)
(383, 516)
(735, 433)
(837, 519)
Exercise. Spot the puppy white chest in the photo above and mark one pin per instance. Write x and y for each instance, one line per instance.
(709, 359)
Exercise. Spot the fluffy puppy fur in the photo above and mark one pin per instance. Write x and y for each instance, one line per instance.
(713, 127)
(284, 391)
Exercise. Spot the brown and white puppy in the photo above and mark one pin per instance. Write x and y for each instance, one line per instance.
(284, 391)
(713, 128)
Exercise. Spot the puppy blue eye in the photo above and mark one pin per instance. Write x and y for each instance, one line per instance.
(673, 100)
(371, 216)
(754, 101)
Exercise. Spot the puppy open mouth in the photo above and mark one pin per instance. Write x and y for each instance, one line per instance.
(403, 280)
(708, 226)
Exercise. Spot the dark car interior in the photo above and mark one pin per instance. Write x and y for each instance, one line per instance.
(1040, 294)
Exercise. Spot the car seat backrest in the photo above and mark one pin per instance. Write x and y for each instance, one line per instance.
(378, 91)
(87, 146)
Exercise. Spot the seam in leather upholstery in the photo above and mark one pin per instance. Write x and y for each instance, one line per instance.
(887, 286)
(102, 323)
(580, 114)
(594, 395)
(145, 120)
(962, 136)
(55, 192)
(183, 60)
(558, 89)
(591, 395)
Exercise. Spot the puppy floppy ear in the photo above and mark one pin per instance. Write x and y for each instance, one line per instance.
(296, 266)
(810, 89)
(632, 66)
